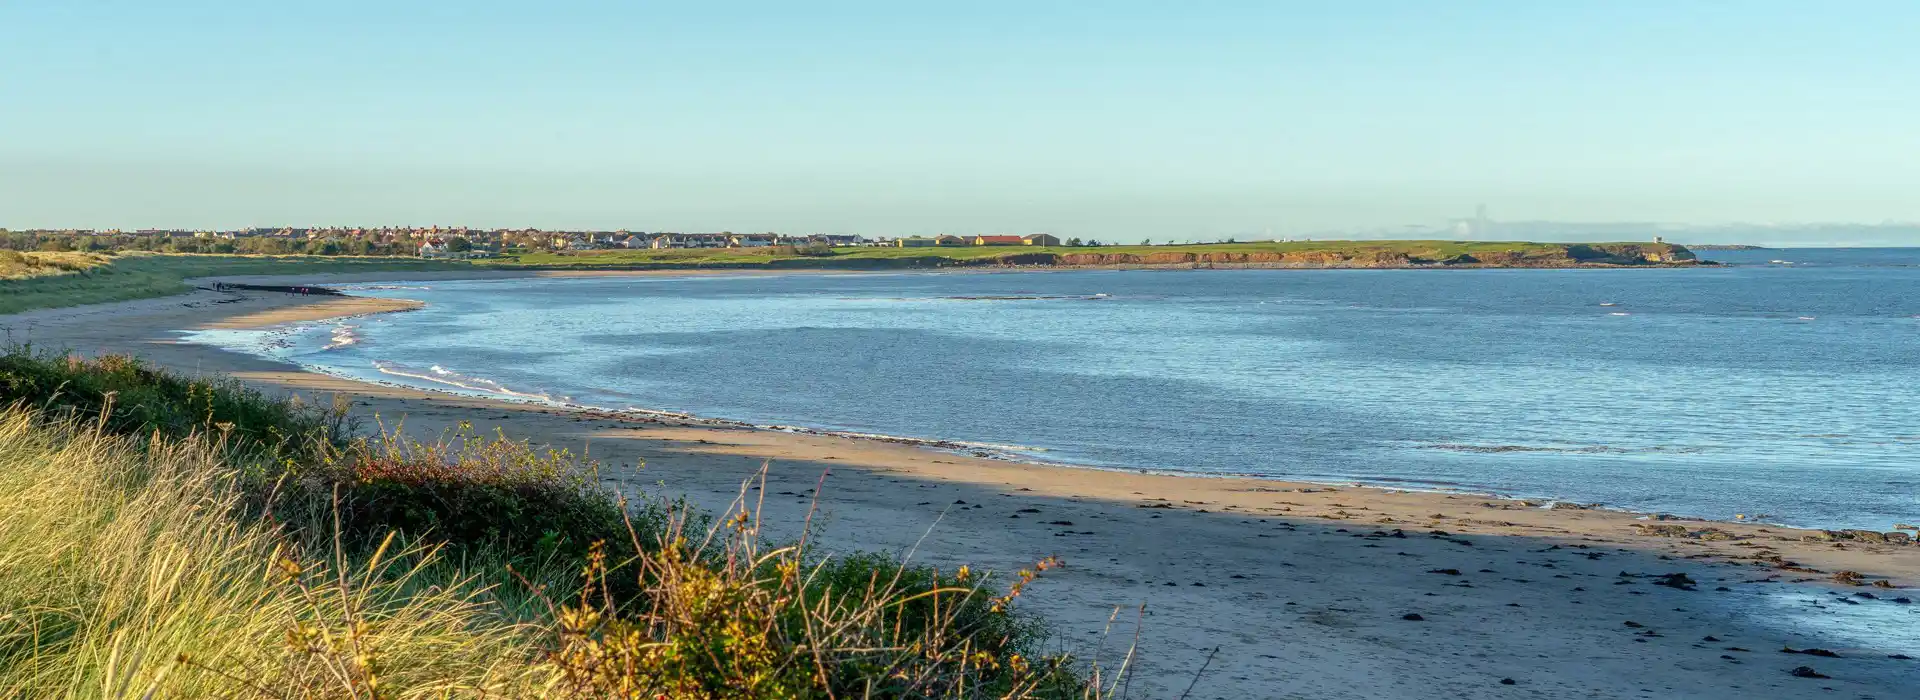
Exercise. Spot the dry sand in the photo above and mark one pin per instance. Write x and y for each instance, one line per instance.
(1275, 589)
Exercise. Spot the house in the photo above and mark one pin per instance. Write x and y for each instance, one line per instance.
(836, 240)
(692, 240)
(1041, 239)
(998, 240)
(632, 242)
(949, 239)
(434, 249)
(751, 240)
(915, 242)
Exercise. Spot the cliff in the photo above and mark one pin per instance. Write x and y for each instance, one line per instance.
(1530, 256)
(1298, 254)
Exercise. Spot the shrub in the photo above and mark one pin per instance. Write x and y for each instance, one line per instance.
(724, 615)
(132, 398)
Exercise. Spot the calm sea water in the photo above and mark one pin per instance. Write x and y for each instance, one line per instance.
(1779, 389)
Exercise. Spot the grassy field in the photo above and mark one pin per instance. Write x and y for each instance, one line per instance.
(139, 276)
(169, 537)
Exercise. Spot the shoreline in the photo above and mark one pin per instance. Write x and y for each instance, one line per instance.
(947, 446)
(1302, 586)
(956, 447)
(959, 447)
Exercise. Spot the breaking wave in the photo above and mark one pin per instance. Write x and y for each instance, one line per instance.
(1581, 449)
(444, 376)
(342, 336)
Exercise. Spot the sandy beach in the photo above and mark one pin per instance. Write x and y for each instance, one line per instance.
(1251, 588)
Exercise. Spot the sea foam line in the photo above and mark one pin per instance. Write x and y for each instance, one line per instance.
(441, 375)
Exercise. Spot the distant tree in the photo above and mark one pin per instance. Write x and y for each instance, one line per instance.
(1231, 240)
(459, 245)
(1094, 243)
(1146, 241)
(1073, 242)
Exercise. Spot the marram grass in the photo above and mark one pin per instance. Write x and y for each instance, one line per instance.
(123, 574)
(154, 564)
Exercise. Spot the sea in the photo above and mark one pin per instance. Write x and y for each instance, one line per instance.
(1782, 386)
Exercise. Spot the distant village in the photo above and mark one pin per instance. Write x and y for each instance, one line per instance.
(459, 242)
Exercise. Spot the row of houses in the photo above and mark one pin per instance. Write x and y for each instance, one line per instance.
(437, 249)
(948, 240)
(738, 240)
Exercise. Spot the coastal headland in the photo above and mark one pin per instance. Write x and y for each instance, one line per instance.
(1261, 588)
(41, 280)
(1267, 254)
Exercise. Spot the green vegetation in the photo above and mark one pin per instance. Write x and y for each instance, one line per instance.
(133, 276)
(21, 265)
(139, 276)
(204, 245)
(167, 537)
(1300, 253)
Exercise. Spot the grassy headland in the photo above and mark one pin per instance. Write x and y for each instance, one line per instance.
(169, 537)
(43, 280)
(1309, 254)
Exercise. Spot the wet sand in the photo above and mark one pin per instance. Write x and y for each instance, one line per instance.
(1304, 590)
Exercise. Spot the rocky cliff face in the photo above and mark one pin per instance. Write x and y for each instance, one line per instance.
(1572, 255)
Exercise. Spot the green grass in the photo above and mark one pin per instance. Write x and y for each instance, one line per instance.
(135, 276)
(139, 276)
(856, 257)
(16, 265)
(149, 549)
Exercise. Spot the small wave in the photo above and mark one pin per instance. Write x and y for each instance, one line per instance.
(900, 438)
(385, 286)
(1619, 313)
(983, 450)
(442, 375)
(342, 336)
(1583, 449)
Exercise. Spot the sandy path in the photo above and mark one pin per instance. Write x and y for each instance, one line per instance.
(1301, 588)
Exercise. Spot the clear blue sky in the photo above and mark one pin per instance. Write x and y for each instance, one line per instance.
(1123, 119)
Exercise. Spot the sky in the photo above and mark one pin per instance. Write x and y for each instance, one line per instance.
(1172, 120)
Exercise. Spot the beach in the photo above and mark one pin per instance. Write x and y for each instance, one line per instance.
(1237, 587)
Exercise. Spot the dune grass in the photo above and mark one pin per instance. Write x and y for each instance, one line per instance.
(144, 556)
(22, 265)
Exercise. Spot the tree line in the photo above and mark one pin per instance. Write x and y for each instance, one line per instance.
(251, 245)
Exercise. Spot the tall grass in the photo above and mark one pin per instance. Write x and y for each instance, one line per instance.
(155, 558)
(124, 572)
(20, 265)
